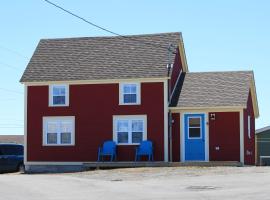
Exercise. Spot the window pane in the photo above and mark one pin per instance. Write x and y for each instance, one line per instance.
(127, 88)
(122, 126)
(137, 137)
(59, 100)
(194, 132)
(62, 91)
(195, 122)
(122, 137)
(130, 88)
(137, 126)
(56, 91)
(66, 127)
(129, 98)
(66, 138)
(59, 90)
(133, 89)
(52, 127)
(51, 138)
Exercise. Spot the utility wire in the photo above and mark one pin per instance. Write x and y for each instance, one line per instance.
(9, 66)
(14, 52)
(13, 91)
(105, 29)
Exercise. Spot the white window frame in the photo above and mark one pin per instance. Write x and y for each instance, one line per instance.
(249, 123)
(195, 138)
(121, 93)
(116, 118)
(58, 120)
(66, 86)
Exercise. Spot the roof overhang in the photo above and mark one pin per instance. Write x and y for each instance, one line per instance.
(254, 97)
(207, 109)
(102, 81)
(183, 54)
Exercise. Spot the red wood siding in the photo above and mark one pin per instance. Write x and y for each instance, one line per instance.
(249, 142)
(93, 107)
(176, 137)
(224, 132)
(177, 67)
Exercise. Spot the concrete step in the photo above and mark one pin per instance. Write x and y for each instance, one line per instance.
(122, 164)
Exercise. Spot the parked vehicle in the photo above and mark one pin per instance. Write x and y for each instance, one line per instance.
(11, 158)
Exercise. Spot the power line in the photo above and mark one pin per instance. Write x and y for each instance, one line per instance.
(105, 29)
(12, 91)
(10, 127)
(14, 52)
(9, 66)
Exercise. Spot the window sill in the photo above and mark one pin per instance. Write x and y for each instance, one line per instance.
(127, 144)
(58, 105)
(129, 104)
(58, 145)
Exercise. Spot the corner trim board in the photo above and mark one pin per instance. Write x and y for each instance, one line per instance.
(25, 123)
(166, 142)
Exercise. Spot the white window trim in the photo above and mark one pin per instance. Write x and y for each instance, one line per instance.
(195, 138)
(57, 119)
(121, 93)
(129, 117)
(249, 131)
(51, 95)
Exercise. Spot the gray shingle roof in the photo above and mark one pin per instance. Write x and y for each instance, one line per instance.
(213, 89)
(96, 58)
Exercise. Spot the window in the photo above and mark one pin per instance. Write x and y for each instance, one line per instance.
(249, 131)
(129, 129)
(194, 127)
(58, 130)
(129, 93)
(58, 95)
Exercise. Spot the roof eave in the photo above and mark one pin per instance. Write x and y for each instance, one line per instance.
(105, 81)
(207, 108)
(254, 97)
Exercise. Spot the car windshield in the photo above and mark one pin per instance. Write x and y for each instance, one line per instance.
(11, 150)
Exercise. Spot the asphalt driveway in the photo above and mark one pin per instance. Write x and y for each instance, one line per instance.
(141, 183)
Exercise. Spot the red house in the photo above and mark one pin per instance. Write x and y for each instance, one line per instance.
(80, 92)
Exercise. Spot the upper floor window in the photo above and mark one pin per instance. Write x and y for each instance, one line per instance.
(129, 93)
(59, 95)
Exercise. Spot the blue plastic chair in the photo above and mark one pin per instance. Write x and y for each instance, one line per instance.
(108, 149)
(145, 149)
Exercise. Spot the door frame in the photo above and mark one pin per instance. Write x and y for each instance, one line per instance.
(182, 135)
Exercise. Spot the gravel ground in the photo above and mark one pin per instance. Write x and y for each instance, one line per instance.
(141, 183)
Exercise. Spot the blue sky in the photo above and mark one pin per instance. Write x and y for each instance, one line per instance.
(218, 36)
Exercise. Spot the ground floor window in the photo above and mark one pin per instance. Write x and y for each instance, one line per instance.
(58, 130)
(129, 129)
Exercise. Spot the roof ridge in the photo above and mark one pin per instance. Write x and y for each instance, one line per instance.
(212, 72)
(108, 37)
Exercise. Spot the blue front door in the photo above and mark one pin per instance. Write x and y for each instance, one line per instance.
(194, 137)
